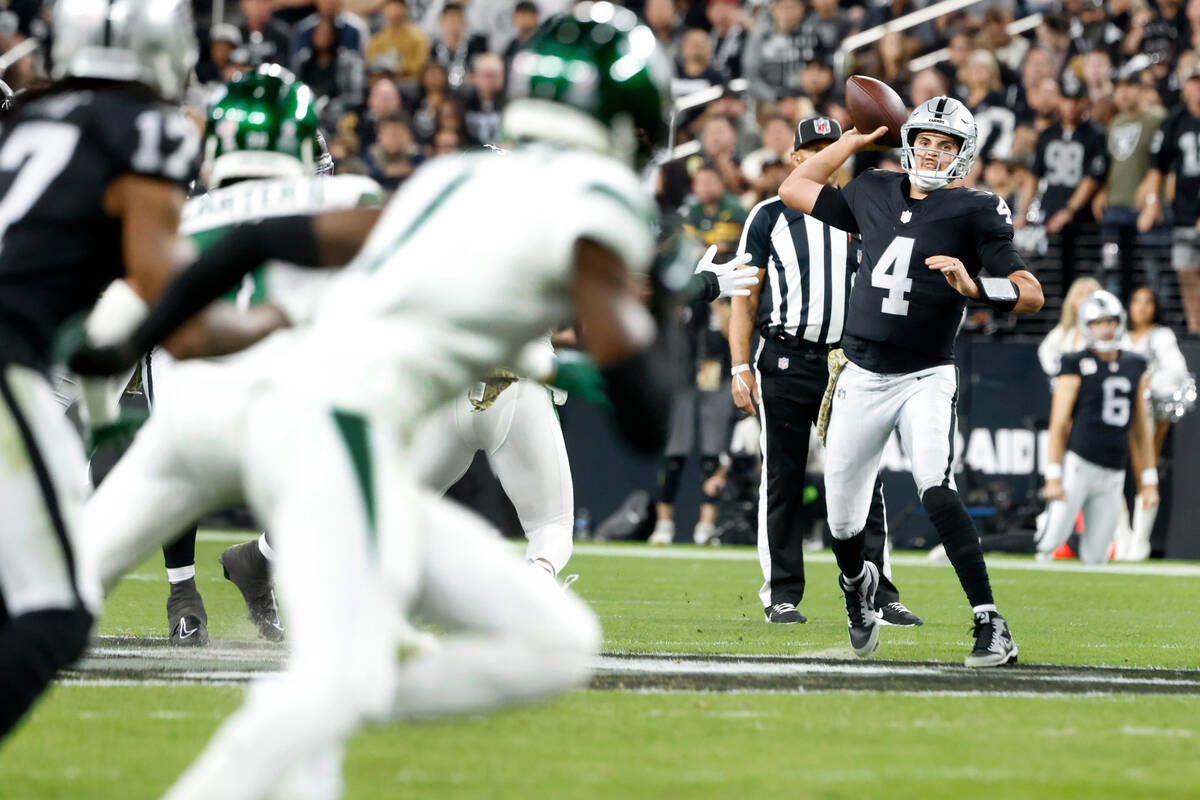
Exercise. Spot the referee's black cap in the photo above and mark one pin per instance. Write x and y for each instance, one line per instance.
(816, 129)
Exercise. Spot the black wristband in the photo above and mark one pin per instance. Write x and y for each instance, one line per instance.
(999, 293)
(640, 391)
(219, 268)
(709, 288)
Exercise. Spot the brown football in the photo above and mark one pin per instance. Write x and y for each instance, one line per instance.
(872, 103)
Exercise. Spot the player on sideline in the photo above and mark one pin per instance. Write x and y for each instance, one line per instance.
(311, 426)
(924, 247)
(1100, 398)
(93, 171)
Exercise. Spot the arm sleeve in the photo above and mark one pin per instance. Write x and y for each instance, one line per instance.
(997, 254)
(832, 208)
(219, 267)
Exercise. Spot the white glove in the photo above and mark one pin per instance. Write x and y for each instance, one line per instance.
(733, 278)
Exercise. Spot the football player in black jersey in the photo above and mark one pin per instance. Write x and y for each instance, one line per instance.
(1097, 416)
(925, 246)
(93, 171)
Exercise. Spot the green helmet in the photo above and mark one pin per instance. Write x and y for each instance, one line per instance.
(262, 124)
(593, 78)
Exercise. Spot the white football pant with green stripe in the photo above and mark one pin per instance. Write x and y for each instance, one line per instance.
(522, 438)
(359, 545)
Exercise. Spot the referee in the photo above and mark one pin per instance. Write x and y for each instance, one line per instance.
(798, 309)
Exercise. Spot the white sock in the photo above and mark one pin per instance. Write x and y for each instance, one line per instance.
(703, 532)
(265, 548)
(181, 574)
(985, 607)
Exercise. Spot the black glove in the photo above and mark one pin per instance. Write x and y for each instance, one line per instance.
(100, 362)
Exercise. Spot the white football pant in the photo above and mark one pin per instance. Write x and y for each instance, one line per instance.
(523, 440)
(867, 406)
(357, 545)
(1097, 491)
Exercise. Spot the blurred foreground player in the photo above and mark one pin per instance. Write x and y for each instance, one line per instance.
(924, 248)
(311, 426)
(1098, 415)
(92, 177)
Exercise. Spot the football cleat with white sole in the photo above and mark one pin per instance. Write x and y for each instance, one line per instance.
(186, 617)
(664, 533)
(860, 610)
(994, 645)
(896, 614)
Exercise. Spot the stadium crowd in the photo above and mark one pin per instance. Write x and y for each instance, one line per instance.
(405, 80)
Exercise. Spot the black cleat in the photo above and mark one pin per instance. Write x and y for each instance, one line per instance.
(248, 569)
(994, 645)
(860, 610)
(784, 614)
(186, 618)
(896, 614)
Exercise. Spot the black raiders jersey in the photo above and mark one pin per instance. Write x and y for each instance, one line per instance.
(1105, 405)
(1063, 159)
(59, 151)
(904, 316)
(1176, 148)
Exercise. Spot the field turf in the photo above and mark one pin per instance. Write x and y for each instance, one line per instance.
(947, 734)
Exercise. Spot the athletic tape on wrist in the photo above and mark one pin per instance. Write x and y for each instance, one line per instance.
(1054, 472)
(1150, 477)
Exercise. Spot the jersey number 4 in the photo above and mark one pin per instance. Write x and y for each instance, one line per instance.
(891, 273)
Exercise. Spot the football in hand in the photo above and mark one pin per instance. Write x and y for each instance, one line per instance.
(873, 103)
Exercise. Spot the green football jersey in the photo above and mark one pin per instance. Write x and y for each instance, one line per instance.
(209, 217)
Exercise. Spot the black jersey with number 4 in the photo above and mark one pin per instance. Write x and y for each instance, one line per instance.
(1105, 405)
(904, 316)
(59, 151)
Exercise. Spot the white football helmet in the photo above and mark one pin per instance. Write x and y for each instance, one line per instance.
(943, 115)
(147, 41)
(1101, 305)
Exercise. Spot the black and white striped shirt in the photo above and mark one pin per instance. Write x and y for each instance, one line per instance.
(809, 267)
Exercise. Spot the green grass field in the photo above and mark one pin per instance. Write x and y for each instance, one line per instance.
(130, 741)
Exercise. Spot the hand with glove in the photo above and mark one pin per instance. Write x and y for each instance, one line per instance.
(731, 279)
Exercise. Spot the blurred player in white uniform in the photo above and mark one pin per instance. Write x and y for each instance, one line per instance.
(1098, 418)
(311, 427)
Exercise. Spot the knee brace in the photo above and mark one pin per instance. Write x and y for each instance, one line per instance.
(668, 479)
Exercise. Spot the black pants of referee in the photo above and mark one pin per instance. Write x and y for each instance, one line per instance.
(791, 381)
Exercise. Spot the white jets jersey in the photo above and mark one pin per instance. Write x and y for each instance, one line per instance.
(470, 261)
(208, 217)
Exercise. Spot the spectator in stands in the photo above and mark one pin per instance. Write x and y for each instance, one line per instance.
(661, 17)
(222, 42)
(1192, 25)
(827, 26)
(732, 106)
(454, 49)
(485, 98)
(383, 99)
(1130, 135)
(1176, 151)
(434, 88)
(395, 155)
(1091, 30)
(729, 36)
(400, 41)
(772, 59)
(331, 71)
(267, 40)
(926, 85)
(715, 216)
(818, 84)
(446, 142)
(349, 31)
(1065, 337)
(777, 134)
(1053, 36)
(452, 116)
(525, 23)
(994, 37)
(694, 71)
(993, 115)
(718, 138)
(344, 149)
(1157, 32)
(1037, 67)
(955, 66)
(888, 62)
(1097, 79)
(1071, 163)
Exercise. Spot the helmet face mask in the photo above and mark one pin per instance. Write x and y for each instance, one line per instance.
(146, 41)
(1096, 308)
(263, 124)
(943, 115)
(594, 78)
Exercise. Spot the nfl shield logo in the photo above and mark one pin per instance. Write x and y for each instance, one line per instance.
(905, 216)
(783, 362)
(822, 127)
